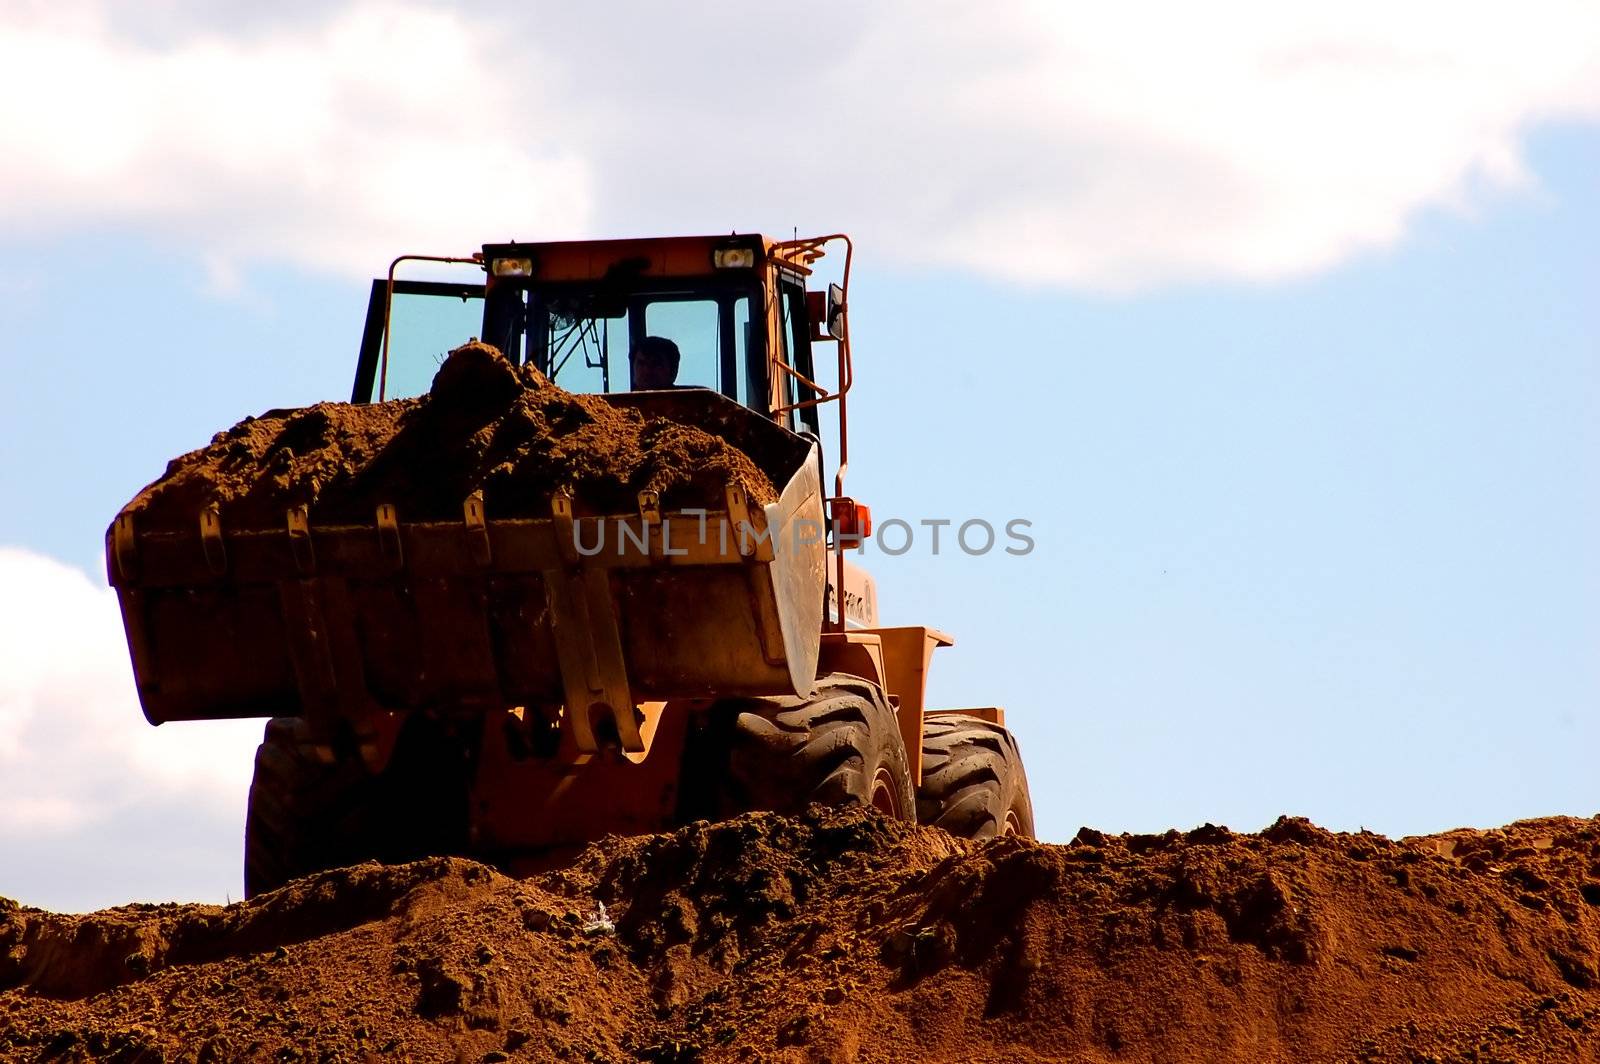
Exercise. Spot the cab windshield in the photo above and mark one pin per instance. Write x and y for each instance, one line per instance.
(590, 338)
(583, 335)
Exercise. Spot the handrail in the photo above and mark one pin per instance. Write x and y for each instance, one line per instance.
(810, 249)
(803, 379)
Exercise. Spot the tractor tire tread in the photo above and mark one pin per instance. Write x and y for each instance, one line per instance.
(785, 753)
(972, 779)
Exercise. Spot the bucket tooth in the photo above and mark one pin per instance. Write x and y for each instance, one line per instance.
(738, 505)
(566, 532)
(389, 534)
(477, 530)
(211, 539)
(299, 522)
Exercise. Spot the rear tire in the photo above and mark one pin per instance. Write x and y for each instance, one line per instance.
(973, 784)
(841, 747)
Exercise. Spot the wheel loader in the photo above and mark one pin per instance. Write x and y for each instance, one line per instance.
(499, 686)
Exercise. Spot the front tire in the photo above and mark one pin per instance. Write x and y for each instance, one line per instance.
(973, 784)
(841, 747)
(304, 816)
(307, 816)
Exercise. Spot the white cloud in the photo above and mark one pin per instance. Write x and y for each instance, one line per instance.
(1260, 139)
(1105, 146)
(75, 750)
(335, 145)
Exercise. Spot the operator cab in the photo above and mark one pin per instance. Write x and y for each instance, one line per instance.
(584, 332)
(578, 311)
(736, 309)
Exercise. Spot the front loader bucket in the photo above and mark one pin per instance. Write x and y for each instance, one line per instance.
(597, 610)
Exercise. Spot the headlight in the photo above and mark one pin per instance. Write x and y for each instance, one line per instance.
(733, 258)
(511, 267)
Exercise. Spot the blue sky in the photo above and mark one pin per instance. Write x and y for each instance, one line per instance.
(1314, 486)
(1324, 547)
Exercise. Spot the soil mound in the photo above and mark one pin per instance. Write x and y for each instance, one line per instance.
(840, 936)
(484, 425)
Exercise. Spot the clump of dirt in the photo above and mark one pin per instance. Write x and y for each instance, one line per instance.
(841, 936)
(484, 425)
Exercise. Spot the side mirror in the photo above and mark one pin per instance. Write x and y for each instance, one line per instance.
(826, 311)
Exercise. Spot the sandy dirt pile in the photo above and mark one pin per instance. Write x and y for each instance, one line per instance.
(483, 425)
(844, 937)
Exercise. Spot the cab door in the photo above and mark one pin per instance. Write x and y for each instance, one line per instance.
(790, 337)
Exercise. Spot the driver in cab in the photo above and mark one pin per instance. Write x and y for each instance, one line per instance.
(653, 364)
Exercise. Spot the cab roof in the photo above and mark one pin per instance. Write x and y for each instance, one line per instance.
(666, 256)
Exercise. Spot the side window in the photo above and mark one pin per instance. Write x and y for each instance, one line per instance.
(785, 384)
(748, 375)
(797, 341)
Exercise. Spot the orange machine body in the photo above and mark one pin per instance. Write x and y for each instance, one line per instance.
(581, 679)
